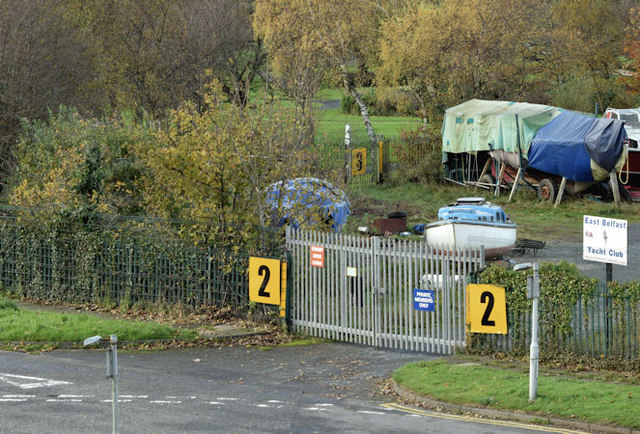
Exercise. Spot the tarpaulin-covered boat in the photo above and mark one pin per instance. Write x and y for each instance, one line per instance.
(473, 129)
(578, 147)
(532, 143)
(307, 202)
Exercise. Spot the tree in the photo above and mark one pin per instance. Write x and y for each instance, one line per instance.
(150, 55)
(632, 50)
(218, 162)
(310, 41)
(449, 51)
(41, 66)
(214, 163)
(587, 38)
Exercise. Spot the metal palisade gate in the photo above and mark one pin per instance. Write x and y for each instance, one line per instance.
(363, 290)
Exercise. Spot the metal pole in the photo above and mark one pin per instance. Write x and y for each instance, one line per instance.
(114, 382)
(347, 152)
(534, 350)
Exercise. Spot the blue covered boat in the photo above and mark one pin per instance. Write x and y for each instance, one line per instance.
(472, 222)
(307, 202)
(578, 147)
(486, 140)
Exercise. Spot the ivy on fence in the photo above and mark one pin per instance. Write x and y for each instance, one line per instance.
(89, 258)
(580, 318)
(561, 287)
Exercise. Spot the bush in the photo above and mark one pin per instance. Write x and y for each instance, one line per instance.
(395, 102)
(419, 154)
(381, 102)
(347, 104)
(561, 286)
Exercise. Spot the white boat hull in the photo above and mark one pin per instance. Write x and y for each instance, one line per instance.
(497, 239)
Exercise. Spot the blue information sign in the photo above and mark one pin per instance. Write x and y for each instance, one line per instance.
(423, 299)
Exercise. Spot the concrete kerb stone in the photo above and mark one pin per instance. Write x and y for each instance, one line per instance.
(509, 415)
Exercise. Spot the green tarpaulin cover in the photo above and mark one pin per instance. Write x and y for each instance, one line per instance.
(472, 125)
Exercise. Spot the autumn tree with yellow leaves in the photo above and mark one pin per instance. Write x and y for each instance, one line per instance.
(311, 42)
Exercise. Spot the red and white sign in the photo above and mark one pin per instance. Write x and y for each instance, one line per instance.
(317, 256)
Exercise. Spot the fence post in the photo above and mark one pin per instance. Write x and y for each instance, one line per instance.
(347, 153)
(378, 292)
(288, 290)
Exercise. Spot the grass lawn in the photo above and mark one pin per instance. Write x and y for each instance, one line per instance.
(331, 125)
(17, 325)
(536, 219)
(467, 383)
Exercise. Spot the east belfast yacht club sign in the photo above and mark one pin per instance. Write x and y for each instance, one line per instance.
(604, 240)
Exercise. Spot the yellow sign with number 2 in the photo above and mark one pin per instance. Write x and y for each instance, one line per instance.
(486, 309)
(264, 280)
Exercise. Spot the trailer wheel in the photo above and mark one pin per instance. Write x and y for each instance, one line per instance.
(547, 190)
(488, 179)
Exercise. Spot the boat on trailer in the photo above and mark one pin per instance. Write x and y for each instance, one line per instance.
(473, 222)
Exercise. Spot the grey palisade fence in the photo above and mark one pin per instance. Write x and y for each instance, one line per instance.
(363, 292)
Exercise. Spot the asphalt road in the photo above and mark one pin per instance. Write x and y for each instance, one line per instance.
(318, 388)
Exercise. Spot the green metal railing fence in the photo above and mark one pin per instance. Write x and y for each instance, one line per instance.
(601, 327)
(333, 160)
(127, 260)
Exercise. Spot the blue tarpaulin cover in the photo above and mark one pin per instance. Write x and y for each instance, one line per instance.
(303, 201)
(566, 145)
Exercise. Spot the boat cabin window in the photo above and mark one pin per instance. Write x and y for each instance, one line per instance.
(630, 119)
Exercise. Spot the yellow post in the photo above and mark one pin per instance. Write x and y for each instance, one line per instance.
(283, 289)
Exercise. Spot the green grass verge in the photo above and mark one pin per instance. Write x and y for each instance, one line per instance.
(564, 396)
(17, 325)
(304, 341)
(296, 343)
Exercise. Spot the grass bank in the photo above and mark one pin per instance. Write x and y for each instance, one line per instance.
(19, 325)
(465, 382)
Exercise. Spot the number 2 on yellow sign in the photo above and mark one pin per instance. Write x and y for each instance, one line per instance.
(264, 280)
(486, 309)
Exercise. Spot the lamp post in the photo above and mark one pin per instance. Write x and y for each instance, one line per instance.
(533, 293)
(112, 372)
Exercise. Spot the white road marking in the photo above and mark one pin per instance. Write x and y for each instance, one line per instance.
(227, 399)
(324, 405)
(119, 400)
(14, 380)
(316, 409)
(165, 402)
(13, 399)
(216, 403)
(63, 400)
(18, 396)
(135, 396)
(274, 401)
(370, 412)
(263, 406)
(76, 396)
(183, 397)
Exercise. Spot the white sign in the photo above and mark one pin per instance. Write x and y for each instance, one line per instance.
(317, 256)
(604, 240)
